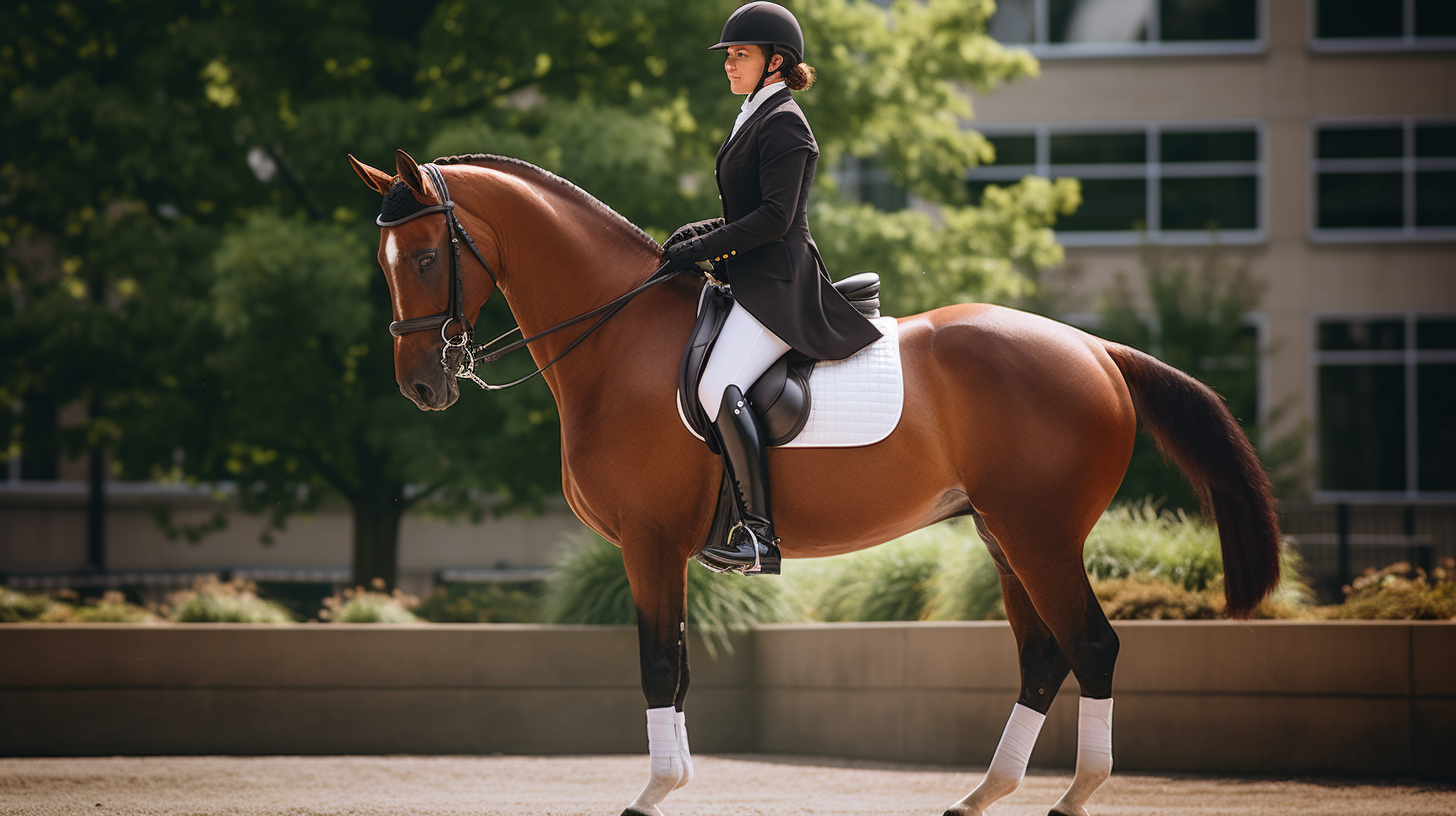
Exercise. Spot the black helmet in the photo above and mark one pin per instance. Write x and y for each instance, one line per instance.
(765, 24)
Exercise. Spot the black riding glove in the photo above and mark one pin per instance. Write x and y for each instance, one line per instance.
(696, 229)
(685, 255)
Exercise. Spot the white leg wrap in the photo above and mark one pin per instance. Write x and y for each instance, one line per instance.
(667, 760)
(1008, 766)
(1094, 756)
(682, 749)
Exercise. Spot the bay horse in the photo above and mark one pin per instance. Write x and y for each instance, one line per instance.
(1018, 421)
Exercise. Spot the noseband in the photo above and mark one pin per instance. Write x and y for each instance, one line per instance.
(455, 310)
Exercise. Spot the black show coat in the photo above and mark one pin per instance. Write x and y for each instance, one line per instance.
(764, 173)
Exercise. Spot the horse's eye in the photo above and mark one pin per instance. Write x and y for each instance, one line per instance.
(427, 261)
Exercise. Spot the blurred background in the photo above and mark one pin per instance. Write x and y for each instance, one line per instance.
(196, 377)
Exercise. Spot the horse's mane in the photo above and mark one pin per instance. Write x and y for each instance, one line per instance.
(517, 166)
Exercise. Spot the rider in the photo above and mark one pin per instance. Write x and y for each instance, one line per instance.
(762, 249)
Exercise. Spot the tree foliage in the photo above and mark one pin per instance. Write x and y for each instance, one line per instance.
(186, 251)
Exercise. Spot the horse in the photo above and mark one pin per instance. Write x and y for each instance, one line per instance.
(1022, 423)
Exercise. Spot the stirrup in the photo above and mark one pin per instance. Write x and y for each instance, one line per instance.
(713, 559)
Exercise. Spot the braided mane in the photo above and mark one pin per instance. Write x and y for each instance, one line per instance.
(511, 165)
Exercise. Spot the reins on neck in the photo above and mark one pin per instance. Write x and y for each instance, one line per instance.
(473, 355)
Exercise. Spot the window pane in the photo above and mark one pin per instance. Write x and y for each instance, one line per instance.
(1228, 202)
(1208, 20)
(1013, 22)
(1435, 18)
(1436, 199)
(1239, 145)
(1436, 333)
(1436, 140)
(1362, 427)
(1436, 426)
(1109, 205)
(1369, 335)
(1014, 149)
(1358, 18)
(1361, 143)
(1360, 200)
(1099, 148)
(1079, 21)
(976, 189)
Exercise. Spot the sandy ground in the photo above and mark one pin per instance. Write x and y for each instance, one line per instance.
(602, 786)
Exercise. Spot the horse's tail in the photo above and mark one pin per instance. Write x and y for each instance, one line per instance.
(1193, 428)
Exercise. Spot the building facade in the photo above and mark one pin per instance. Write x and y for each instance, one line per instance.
(1313, 140)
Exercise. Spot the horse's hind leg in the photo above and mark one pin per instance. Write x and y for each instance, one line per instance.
(1043, 668)
(1062, 596)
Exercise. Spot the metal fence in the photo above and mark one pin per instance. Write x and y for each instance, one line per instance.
(1340, 541)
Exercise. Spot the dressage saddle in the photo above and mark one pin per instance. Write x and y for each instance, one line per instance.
(781, 397)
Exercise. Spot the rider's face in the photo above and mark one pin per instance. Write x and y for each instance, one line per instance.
(743, 65)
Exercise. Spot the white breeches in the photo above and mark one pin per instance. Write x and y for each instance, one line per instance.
(745, 349)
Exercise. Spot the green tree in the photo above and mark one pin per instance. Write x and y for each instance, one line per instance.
(180, 221)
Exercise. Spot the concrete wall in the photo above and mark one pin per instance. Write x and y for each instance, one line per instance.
(43, 530)
(1349, 698)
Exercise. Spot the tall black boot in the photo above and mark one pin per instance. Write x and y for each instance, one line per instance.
(752, 546)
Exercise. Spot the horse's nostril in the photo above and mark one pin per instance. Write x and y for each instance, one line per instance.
(427, 394)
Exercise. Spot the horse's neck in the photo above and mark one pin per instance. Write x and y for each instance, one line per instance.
(560, 257)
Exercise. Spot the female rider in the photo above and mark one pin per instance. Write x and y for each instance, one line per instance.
(762, 249)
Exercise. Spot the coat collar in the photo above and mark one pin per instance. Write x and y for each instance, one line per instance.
(769, 103)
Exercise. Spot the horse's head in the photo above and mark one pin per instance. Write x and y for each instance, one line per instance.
(421, 264)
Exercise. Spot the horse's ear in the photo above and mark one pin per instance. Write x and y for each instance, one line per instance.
(409, 173)
(376, 180)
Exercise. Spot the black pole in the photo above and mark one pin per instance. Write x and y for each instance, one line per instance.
(96, 506)
(96, 478)
(1342, 542)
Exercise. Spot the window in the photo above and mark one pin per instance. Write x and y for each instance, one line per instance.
(1385, 180)
(1360, 25)
(1163, 183)
(1385, 395)
(1120, 27)
(869, 181)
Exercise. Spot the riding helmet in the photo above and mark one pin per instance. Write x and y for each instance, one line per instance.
(764, 23)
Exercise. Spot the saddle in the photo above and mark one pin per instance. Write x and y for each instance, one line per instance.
(781, 397)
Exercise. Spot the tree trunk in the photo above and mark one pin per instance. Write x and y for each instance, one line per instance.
(378, 509)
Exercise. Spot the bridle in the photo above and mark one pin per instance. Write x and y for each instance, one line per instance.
(472, 355)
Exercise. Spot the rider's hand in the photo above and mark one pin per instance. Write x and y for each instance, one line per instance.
(685, 255)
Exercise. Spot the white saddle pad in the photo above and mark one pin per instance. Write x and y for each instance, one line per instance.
(855, 401)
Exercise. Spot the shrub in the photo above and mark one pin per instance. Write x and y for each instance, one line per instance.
(590, 586)
(360, 605)
(939, 573)
(1139, 540)
(1400, 592)
(18, 607)
(1144, 599)
(483, 603)
(111, 607)
(213, 601)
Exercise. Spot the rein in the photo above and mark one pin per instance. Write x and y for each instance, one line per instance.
(473, 355)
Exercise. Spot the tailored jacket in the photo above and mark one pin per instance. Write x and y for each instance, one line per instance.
(764, 250)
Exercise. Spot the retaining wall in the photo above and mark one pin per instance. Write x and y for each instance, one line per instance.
(1373, 698)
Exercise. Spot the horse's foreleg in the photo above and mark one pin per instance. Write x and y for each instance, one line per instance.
(1043, 668)
(659, 591)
